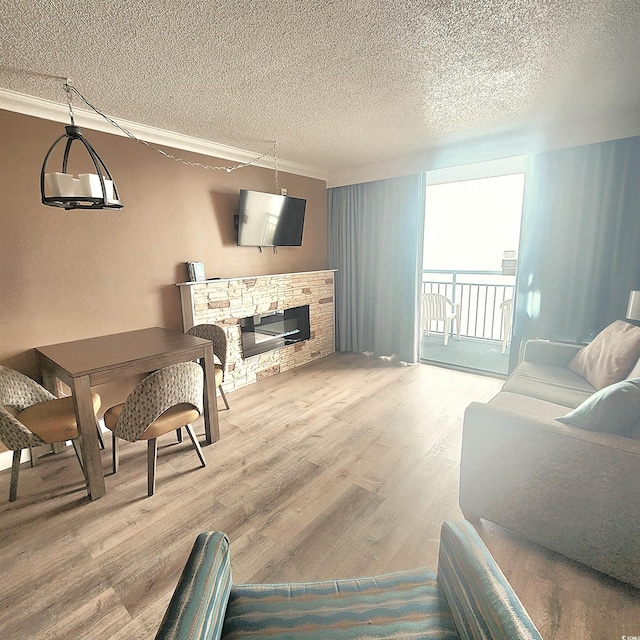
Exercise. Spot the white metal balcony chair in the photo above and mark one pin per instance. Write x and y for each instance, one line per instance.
(438, 307)
(507, 322)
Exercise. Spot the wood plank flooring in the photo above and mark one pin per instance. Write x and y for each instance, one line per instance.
(343, 467)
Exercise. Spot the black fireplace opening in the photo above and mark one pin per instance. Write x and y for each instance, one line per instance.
(274, 329)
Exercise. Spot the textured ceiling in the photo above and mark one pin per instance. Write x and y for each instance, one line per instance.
(337, 82)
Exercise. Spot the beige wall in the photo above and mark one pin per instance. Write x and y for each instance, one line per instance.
(76, 274)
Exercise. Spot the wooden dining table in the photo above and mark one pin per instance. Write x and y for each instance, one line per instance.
(86, 363)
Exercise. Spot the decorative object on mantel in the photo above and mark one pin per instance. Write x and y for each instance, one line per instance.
(88, 190)
(633, 310)
(196, 271)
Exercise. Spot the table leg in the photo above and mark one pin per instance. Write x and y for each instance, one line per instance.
(87, 427)
(211, 425)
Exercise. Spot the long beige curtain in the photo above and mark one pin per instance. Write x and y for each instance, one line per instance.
(375, 242)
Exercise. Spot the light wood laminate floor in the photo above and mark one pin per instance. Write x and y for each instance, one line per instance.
(341, 468)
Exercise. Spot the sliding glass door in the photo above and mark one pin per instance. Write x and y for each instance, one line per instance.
(472, 230)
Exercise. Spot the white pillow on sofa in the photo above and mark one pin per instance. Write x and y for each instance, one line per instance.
(610, 356)
(614, 409)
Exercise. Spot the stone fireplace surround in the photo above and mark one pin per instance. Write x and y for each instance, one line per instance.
(226, 300)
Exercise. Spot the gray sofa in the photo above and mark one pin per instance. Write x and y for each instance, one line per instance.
(572, 490)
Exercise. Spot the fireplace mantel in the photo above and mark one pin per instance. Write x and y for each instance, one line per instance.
(275, 275)
(225, 301)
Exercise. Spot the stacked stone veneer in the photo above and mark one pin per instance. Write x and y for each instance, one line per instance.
(224, 302)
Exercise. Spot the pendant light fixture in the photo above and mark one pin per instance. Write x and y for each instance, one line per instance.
(87, 190)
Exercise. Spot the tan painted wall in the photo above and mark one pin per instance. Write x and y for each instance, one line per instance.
(76, 274)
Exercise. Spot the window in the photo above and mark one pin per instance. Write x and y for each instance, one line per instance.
(470, 224)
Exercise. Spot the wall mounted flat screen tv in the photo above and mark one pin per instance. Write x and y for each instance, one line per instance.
(270, 220)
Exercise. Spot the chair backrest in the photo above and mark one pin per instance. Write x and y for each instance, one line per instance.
(217, 335)
(435, 305)
(181, 383)
(507, 313)
(20, 391)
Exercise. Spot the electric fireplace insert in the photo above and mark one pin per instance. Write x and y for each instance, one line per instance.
(274, 329)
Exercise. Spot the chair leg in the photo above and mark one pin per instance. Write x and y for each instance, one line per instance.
(152, 456)
(196, 444)
(114, 452)
(33, 457)
(100, 440)
(447, 330)
(77, 443)
(179, 435)
(224, 397)
(15, 470)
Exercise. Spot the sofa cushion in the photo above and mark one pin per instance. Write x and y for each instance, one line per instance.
(407, 604)
(614, 409)
(550, 383)
(611, 355)
(530, 406)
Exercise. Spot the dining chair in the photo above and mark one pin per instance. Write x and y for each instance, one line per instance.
(438, 307)
(218, 336)
(31, 416)
(507, 322)
(166, 400)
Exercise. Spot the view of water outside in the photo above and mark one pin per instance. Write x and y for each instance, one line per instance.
(469, 225)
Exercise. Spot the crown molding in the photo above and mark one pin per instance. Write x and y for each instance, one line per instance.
(49, 110)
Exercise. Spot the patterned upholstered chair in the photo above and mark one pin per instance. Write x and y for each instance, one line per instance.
(166, 400)
(218, 336)
(31, 416)
(469, 599)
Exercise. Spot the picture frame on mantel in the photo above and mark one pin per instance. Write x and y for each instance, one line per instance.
(196, 271)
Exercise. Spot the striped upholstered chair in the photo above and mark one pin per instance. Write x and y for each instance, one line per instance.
(469, 599)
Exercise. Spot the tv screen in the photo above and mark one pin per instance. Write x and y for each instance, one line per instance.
(270, 220)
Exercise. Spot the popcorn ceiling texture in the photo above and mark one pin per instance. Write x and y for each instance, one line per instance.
(337, 83)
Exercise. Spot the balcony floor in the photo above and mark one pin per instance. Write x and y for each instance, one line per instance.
(468, 353)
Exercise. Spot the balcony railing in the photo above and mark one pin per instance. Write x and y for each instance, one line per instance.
(480, 294)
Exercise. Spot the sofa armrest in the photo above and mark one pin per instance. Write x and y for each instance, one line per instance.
(481, 600)
(574, 491)
(558, 354)
(198, 605)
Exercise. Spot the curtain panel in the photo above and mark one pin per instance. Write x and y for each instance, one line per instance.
(375, 242)
(579, 244)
